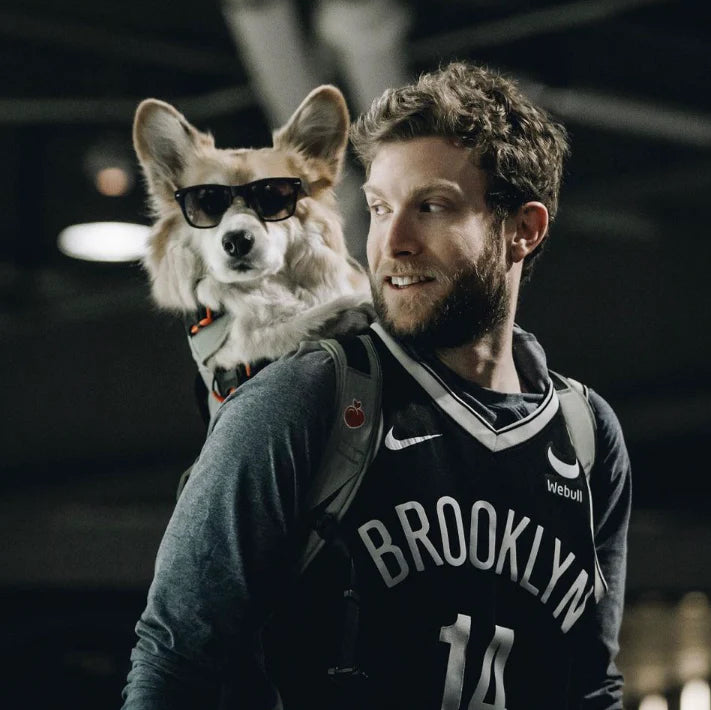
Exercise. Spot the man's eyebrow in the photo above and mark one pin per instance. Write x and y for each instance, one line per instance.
(436, 184)
(417, 190)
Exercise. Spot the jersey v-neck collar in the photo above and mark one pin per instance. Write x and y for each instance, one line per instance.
(463, 414)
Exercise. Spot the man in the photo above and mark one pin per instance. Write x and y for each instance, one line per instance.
(480, 578)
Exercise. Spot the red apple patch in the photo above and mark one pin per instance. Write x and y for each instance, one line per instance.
(353, 415)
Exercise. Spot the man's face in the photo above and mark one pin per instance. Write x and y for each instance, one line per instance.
(435, 251)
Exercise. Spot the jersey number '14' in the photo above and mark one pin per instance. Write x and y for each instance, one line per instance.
(457, 636)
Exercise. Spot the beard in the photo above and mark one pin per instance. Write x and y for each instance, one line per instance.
(476, 303)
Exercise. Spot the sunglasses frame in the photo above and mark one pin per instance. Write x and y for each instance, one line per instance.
(244, 191)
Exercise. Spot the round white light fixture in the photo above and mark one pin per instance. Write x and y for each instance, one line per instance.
(695, 695)
(104, 241)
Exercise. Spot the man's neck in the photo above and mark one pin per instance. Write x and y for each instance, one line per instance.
(488, 361)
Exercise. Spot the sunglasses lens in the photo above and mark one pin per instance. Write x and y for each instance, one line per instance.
(275, 199)
(204, 206)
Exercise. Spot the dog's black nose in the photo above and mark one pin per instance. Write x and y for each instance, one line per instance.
(238, 243)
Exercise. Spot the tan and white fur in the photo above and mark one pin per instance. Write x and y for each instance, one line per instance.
(298, 275)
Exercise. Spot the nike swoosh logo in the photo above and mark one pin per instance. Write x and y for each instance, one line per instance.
(397, 444)
(567, 470)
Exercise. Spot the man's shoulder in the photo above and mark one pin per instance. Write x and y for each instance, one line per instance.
(608, 430)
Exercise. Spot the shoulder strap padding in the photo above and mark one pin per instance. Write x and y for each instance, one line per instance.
(352, 442)
(579, 418)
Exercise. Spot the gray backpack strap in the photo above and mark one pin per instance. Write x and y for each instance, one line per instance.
(351, 445)
(580, 422)
(579, 418)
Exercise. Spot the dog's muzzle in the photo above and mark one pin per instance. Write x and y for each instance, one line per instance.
(238, 243)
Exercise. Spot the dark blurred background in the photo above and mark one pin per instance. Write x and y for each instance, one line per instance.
(99, 416)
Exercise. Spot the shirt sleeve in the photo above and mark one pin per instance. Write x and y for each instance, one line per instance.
(597, 680)
(225, 556)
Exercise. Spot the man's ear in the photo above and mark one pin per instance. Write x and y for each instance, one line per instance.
(531, 229)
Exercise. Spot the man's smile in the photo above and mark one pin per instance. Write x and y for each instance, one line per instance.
(405, 281)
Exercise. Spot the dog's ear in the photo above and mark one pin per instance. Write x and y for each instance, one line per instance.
(318, 128)
(165, 143)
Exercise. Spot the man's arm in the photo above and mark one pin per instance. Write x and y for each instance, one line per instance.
(598, 682)
(226, 555)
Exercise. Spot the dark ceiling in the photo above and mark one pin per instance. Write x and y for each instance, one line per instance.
(98, 380)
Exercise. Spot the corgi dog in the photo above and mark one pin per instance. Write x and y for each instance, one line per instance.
(252, 234)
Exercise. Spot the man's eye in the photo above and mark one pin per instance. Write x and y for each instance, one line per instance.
(431, 207)
(377, 209)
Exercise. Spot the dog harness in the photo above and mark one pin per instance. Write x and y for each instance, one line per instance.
(207, 332)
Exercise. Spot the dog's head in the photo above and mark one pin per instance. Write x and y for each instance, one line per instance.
(242, 248)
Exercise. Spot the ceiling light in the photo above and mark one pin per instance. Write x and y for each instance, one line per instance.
(653, 702)
(110, 165)
(104, 241)
(695, 696)
(113, 181)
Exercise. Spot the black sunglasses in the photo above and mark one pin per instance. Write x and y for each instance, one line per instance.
(273, 199)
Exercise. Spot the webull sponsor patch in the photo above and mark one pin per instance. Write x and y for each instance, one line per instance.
(564, 491)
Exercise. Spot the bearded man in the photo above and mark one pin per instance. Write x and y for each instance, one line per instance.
(489, 567)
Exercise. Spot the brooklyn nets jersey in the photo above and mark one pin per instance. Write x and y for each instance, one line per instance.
(470, 552)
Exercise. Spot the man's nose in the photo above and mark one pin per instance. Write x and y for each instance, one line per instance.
(402, 235)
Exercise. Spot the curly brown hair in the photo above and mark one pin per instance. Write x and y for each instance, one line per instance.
(518, 146)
